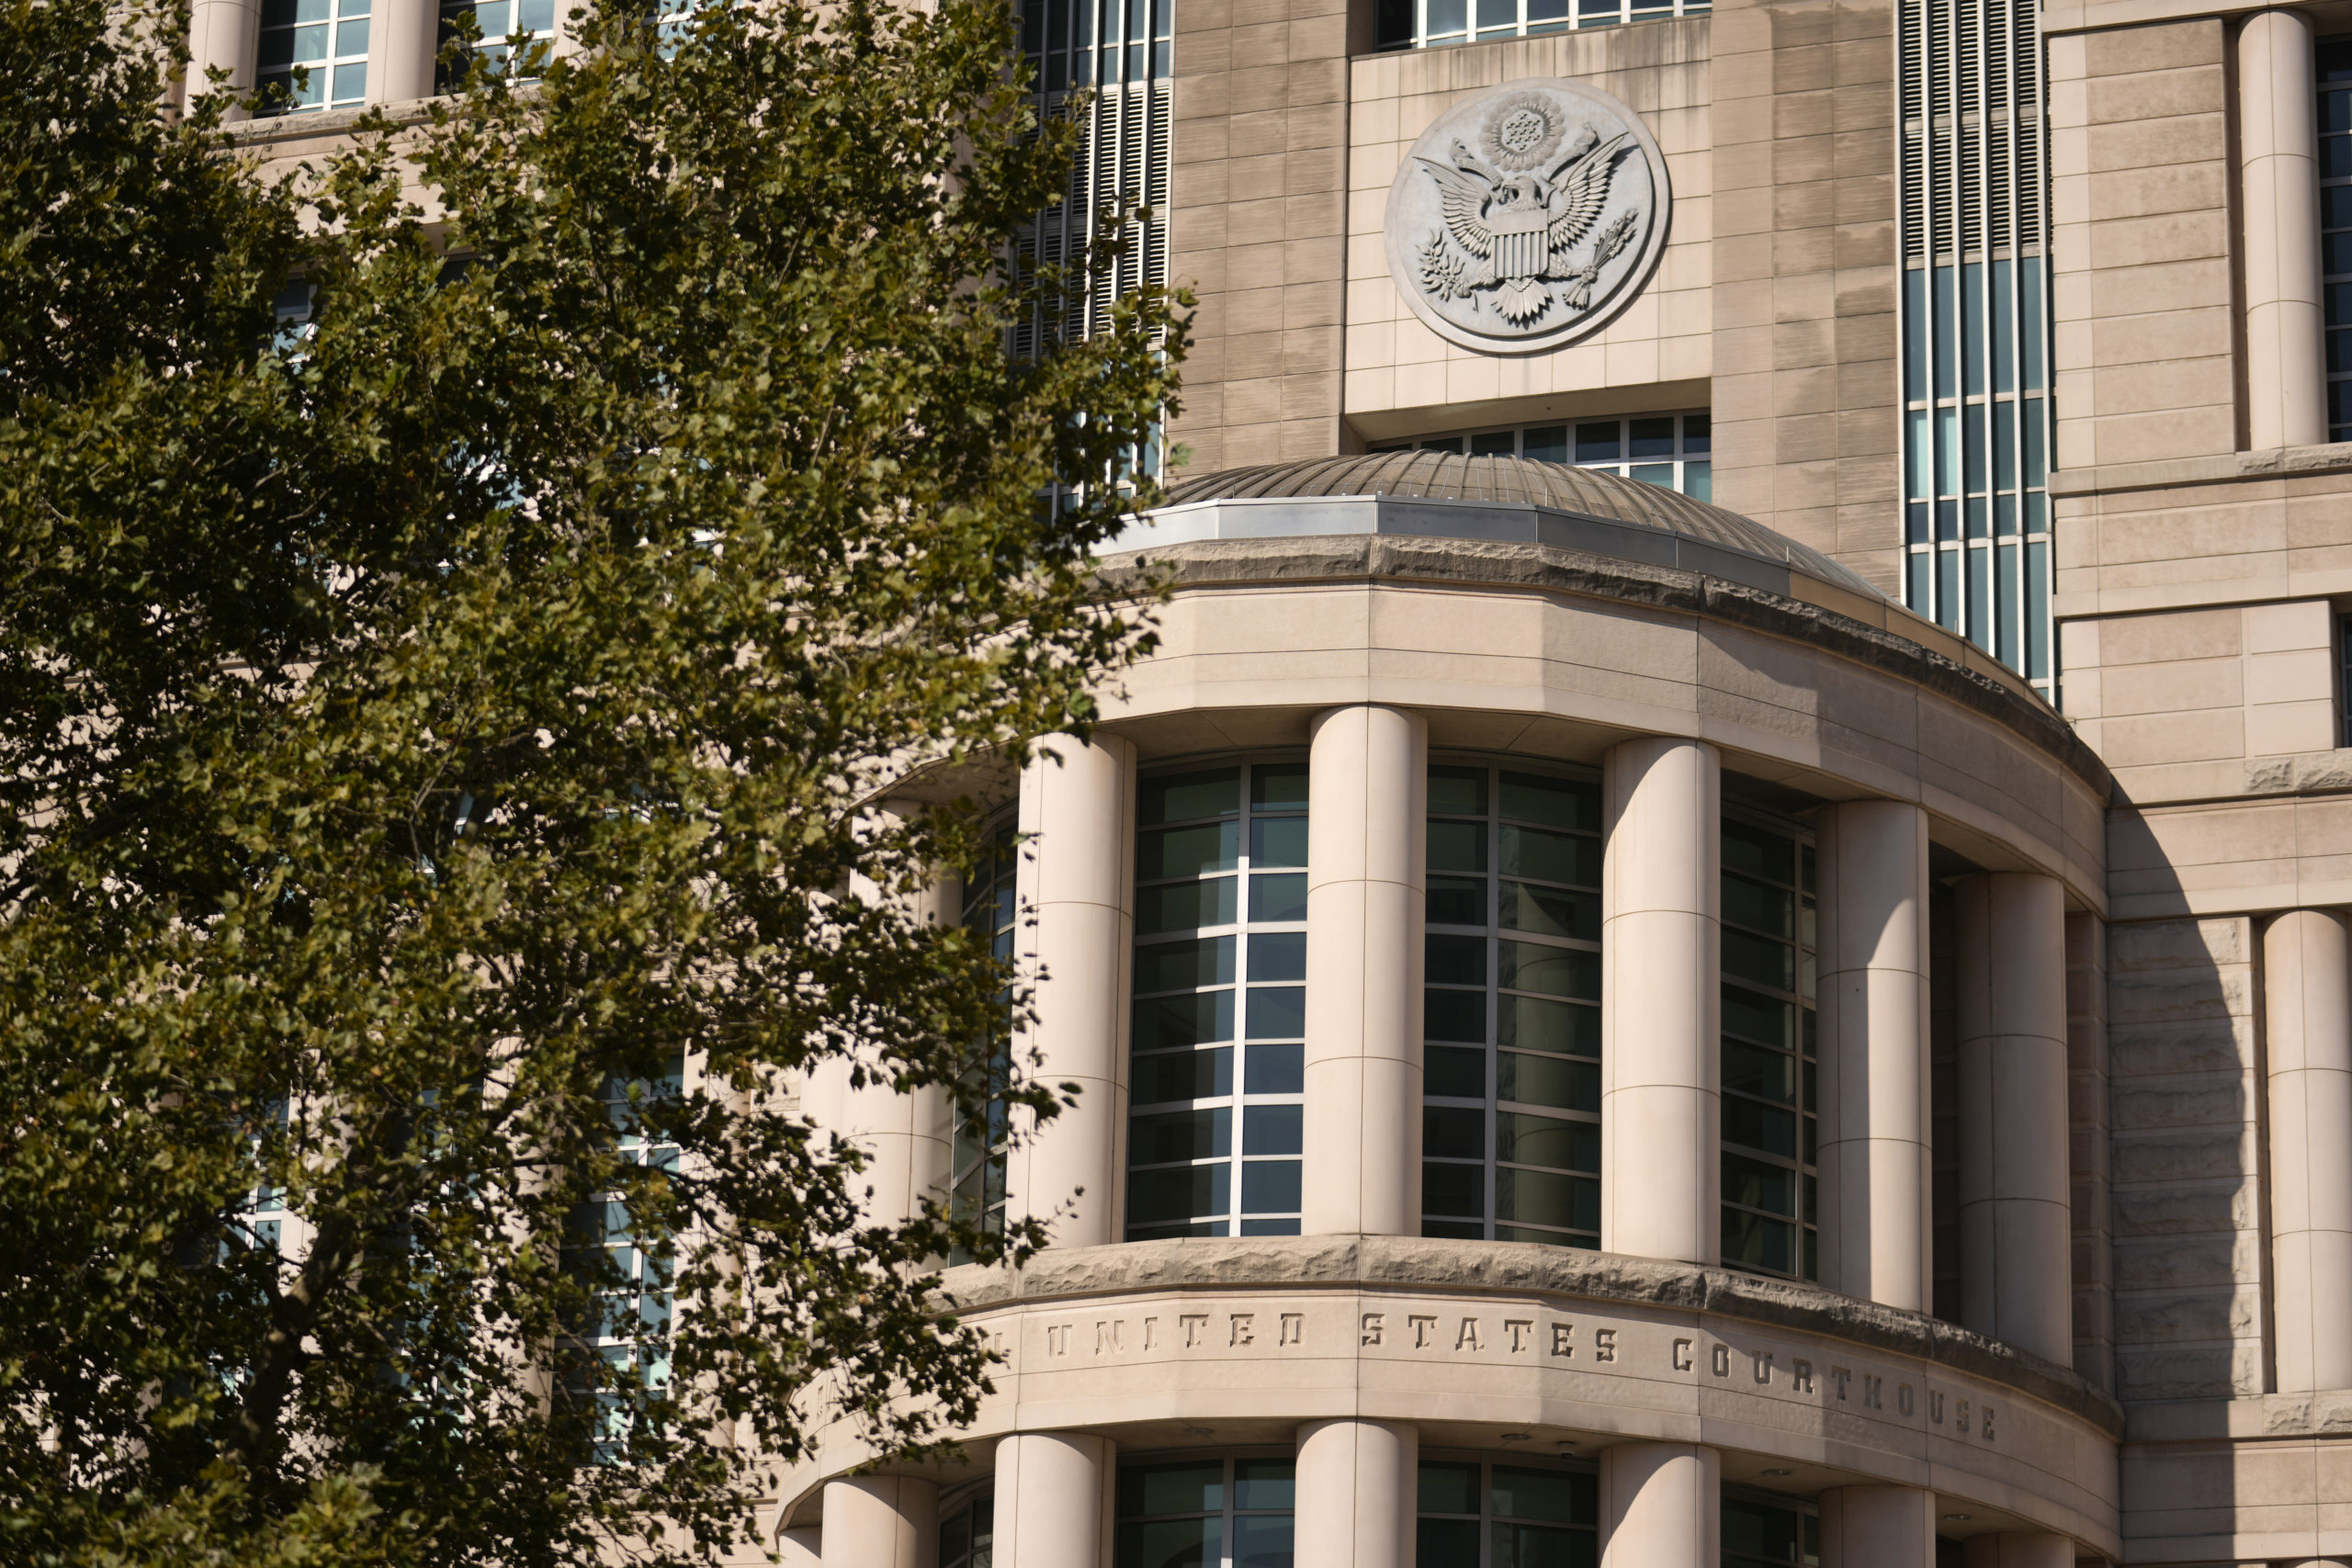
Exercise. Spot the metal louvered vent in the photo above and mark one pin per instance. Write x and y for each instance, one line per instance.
(1117, 52)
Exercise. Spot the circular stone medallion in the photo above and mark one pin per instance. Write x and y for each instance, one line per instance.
(1528, 216)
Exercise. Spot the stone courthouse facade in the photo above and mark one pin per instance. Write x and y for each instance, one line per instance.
(1717, 933)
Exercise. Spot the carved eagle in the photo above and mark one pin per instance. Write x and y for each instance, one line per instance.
(1521, 225)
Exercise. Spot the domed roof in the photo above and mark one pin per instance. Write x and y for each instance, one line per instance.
(1517, 483)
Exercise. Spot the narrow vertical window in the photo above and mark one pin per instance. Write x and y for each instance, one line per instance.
(1219, 1031)
(624, 1342)
(976, 1154)
(1511, 1125)
(2333, 66)
(1770, 1135)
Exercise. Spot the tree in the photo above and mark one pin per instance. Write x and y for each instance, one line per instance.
(439, 741)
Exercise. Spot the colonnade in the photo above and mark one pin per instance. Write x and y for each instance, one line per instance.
(403, 39)
(1661, 1086)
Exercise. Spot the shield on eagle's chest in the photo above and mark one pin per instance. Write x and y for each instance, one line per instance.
(1522, 245)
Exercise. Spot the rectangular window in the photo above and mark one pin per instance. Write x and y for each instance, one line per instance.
(1673, 451)
(1206, 1512)
(500, 22)
(1771, 1136)
(624, 1342)
(1510, 1124)
(2333, 70)
(1432, 24)
(325, 41)
(1474, 1514)
(1762, 1534)
(976, 1150)
(1219, 1026)
(967, 1533)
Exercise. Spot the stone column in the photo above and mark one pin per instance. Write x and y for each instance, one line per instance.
(1878, 1527)
(2016, 1270)
(1358, 1483)
(1367, 829)
(2019, 1551)
(224, 33)
(2307, 1019)
(1053, 1505)
(1077, 883)
(881, 1521)
(1661, 1506)
(801, 1548)
(1876, 1217)
(2278, 149)
(907, 1137)
(1661, 1008)
(407, 38)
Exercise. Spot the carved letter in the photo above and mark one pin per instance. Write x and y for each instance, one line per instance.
(1904, 1403)
(1421, 1327)
(1293, 1331)
(1194, 1324)
(1871, 1388)
(1519, 1327)
(1242, 1333)
(1936, 1406)
(1842, 1375)
(1763, 1359)
(1986, 1425)
(1562, 1333)
(1604, 1344)
(1107, 1335)
(1804, 1377)
(1723, 1360)
(1150, 1335)
(1466, 1337)
(1959, 1416)
(1374, 1325)
(1682, 1362)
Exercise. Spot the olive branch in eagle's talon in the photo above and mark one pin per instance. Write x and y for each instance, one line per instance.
(1442, 271)
(1613, 239)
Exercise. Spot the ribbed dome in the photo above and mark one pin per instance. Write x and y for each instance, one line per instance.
(1521, 481)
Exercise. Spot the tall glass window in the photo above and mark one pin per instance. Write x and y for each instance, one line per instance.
(975, 1152)
(1759, 1534)
(1673, 451)
(623, 1339)
(327, 40)
(499, 20)
(1430, 24)
(1472, 1513)
(1974, 316)
(1206, 1512)
(1220, 1003)
(2334, 68)
(1770, 1129)
(967, 1533)
(1511, 1128)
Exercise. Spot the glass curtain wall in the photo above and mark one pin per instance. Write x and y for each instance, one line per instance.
(975, 1152)
(1430, 24)
(1511, 1125)
(326, 40)
(1475, 1514)
(2334, 69)
(1673, 451)
(1206, 1512)
(1974, 323)
(1770, 1201)
(1218, 1072)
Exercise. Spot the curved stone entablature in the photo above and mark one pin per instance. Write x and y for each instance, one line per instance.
(1166, 1343)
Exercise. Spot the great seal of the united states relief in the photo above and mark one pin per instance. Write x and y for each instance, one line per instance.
(1528, 216)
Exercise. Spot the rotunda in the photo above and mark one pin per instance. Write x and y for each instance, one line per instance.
(1569, 992)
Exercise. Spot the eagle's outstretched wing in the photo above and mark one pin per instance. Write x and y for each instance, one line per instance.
(1461, 195)
(1584, 190)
